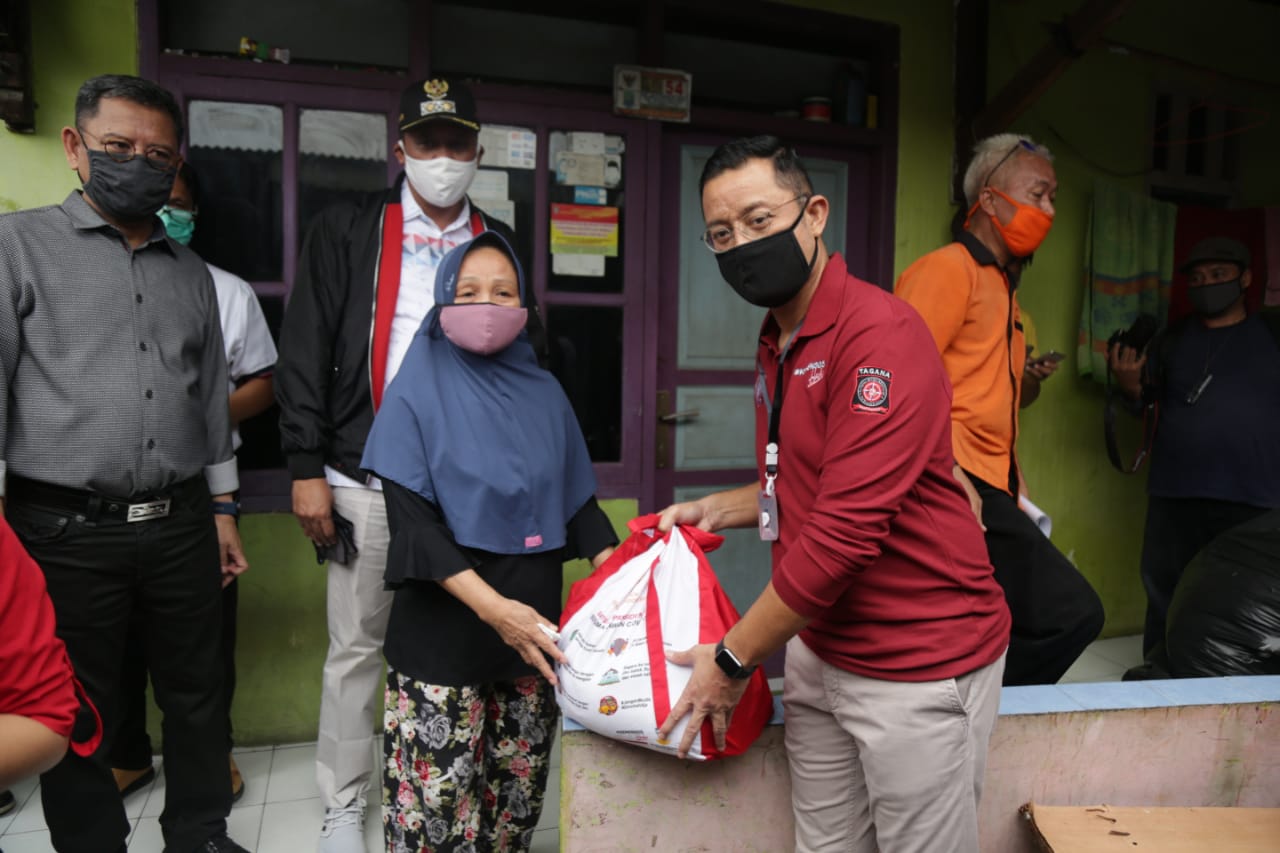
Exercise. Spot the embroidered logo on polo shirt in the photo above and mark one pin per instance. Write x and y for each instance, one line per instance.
(814, 371)
(872, 394)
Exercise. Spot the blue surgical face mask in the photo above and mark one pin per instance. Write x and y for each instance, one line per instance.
(179, 224)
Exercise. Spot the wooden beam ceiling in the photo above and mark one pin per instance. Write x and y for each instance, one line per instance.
(1076, 34)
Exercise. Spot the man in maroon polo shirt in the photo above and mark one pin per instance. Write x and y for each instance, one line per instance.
(882, 592)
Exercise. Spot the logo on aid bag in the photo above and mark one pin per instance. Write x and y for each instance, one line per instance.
(872, 394)
(608, 706)
(610, 677)
(618, 646)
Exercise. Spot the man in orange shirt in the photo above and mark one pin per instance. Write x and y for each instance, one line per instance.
(966, 292)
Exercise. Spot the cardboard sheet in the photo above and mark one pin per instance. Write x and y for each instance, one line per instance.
(1092, 829)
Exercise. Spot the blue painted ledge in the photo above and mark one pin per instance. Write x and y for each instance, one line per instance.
(1112, 695)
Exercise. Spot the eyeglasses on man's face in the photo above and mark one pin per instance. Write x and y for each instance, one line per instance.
(121, 150)
(752, 225)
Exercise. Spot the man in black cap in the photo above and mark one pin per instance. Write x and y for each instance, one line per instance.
(1215, 461)
(365, 282)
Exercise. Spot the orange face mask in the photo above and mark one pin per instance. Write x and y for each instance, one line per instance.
(1025, 232)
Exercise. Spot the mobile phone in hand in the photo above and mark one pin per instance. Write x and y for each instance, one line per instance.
(1051, 357)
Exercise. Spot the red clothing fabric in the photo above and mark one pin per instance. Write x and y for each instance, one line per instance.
(877, 543)
(36, 679)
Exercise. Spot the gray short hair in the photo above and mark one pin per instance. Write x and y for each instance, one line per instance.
(988, 155)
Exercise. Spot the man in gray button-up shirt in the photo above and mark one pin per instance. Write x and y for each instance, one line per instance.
(116, 468)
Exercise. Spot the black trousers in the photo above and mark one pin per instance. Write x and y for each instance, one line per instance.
(99, 575)
(1056, 613)
(1176, 530)
(131, 748)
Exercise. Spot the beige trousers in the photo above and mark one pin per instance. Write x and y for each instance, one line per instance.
(886, 766)
(351, 696)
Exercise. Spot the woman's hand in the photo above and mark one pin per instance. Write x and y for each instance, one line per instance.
(516, 622)
(518, 625)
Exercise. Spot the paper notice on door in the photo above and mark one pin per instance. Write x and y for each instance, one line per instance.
(585, 169)
(490, 183)
(589, 266)
(590, 195)
(501, 209)
(557, 141)
(583, 229)
(509, 147)
(586, 143)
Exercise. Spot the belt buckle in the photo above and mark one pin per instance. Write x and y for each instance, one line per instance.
(147, 511)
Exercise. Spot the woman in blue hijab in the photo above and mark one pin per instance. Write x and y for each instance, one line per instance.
(489, 490)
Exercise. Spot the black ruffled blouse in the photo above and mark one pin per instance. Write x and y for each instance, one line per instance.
(433, 637)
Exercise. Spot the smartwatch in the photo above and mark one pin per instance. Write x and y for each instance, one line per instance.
(730, 665)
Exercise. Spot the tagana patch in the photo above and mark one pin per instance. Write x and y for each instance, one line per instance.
(872, 392)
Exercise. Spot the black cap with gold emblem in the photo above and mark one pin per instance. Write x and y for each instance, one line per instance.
(437, 98)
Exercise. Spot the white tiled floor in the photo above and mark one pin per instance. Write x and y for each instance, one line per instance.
(280, 812)
(1106, 660)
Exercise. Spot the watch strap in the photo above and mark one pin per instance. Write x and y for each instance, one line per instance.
(231, 508)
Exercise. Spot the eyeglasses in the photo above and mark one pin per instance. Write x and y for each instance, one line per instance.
(753, 225)
(1022, 144)
(122, 151)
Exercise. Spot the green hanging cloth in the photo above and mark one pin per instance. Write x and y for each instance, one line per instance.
(1128, 268)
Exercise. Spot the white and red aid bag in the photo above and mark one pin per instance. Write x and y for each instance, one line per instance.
(653, 595)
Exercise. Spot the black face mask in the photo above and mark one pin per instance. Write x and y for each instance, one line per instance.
(1213, 300)
(127, 191)
(768, 272)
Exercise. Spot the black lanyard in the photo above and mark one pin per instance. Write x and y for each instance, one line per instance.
(775, 416)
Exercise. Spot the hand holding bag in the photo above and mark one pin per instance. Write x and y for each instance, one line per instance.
(656, 593)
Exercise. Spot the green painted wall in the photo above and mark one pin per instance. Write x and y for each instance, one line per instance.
(1096, 120)
(71, 40)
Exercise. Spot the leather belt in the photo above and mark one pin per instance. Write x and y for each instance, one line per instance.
(93, 506)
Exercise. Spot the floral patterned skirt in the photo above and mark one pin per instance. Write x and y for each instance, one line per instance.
(465, 768)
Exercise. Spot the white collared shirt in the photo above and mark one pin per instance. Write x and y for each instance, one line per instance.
(422, 246)
(245, 335)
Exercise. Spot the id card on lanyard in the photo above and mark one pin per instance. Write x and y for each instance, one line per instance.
(767, 499)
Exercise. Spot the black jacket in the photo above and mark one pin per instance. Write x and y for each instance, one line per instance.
(322, 377)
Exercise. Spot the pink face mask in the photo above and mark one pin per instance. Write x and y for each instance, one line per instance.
(482, 327)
